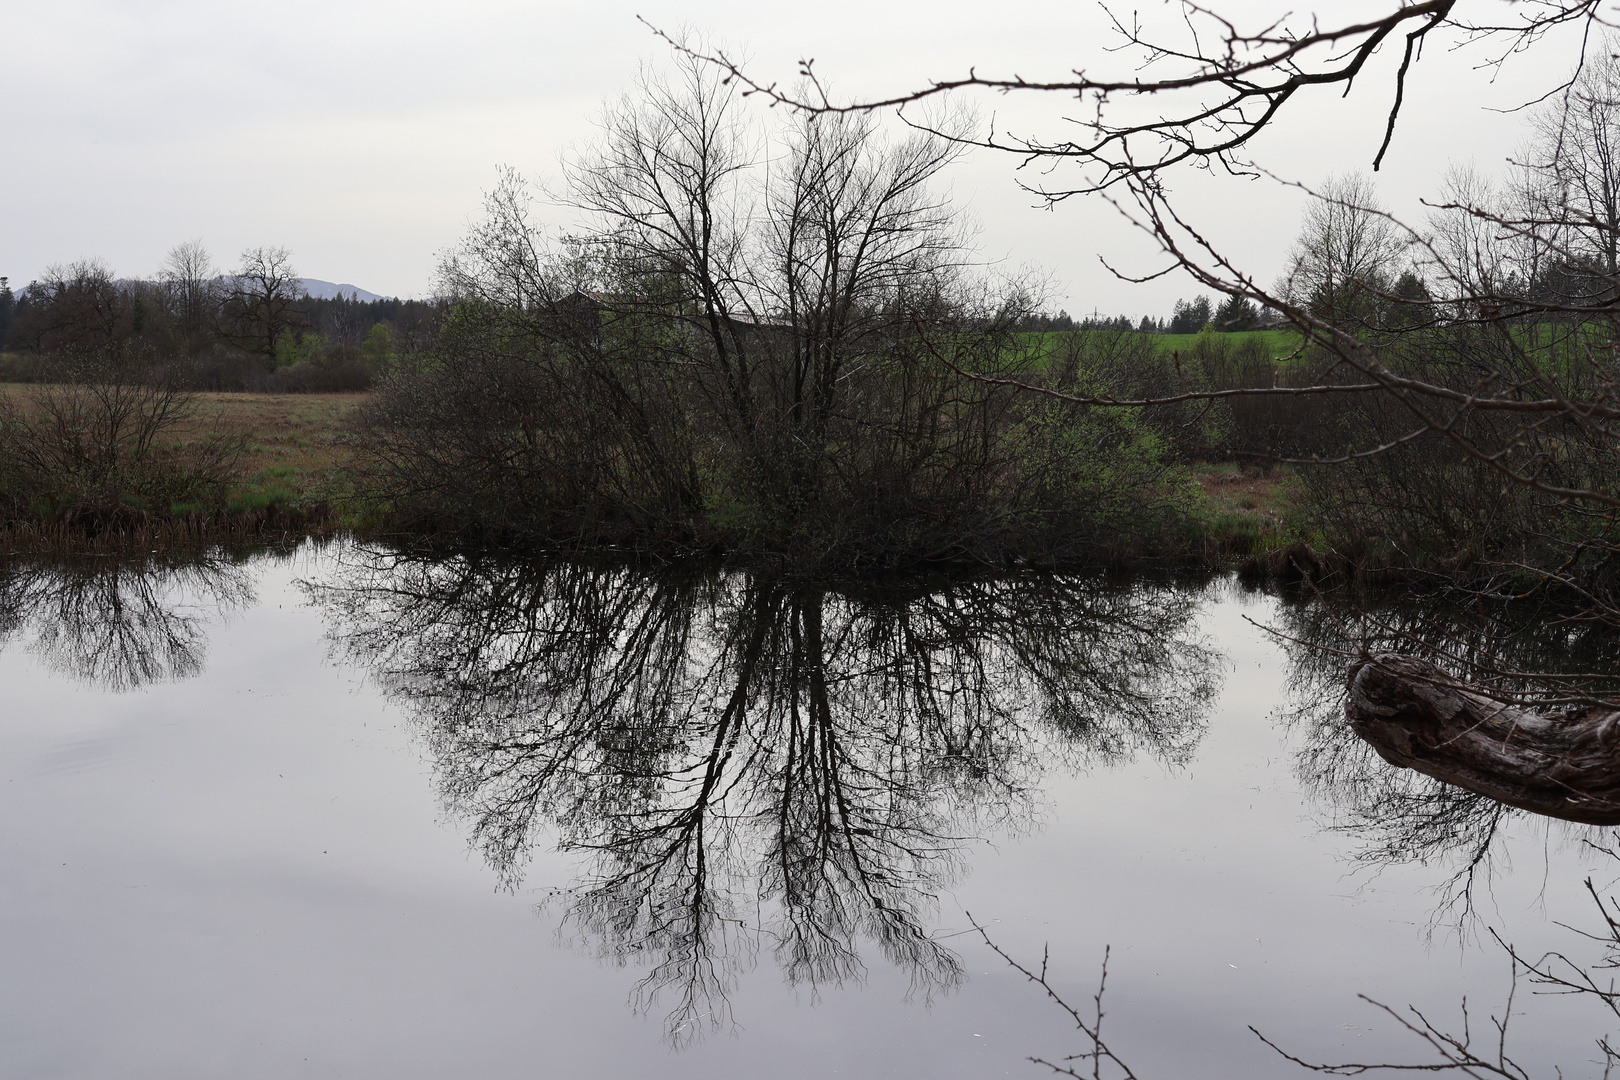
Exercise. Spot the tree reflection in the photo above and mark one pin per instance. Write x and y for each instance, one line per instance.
(1401, 815)
(747, 764)
(119, 623)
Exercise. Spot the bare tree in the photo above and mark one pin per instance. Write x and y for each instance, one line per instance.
(75, 306)
(853, 234)
(121, 623)
(1347, 254)
(798, 287)
(190, 280)
(713, 745)
(745, 357)
(1569, 173)
(261, 303)
(668, 185)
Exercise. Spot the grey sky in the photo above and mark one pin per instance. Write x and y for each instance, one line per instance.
(360, 134)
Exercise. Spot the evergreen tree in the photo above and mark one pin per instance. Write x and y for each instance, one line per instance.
(1412, 305)
(7, 303)
(1237, 313)
(1189, 317)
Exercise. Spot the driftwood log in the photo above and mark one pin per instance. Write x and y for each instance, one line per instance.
(1564, 765)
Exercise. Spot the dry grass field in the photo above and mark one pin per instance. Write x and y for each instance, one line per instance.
(1234, 490)
(1247, 511)
(295, 442)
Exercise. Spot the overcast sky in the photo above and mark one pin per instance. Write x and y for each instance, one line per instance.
(361, 134)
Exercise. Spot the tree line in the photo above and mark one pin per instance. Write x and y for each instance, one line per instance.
(253, 327)
(1235, 314)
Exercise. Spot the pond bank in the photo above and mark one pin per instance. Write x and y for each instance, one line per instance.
(294, 475)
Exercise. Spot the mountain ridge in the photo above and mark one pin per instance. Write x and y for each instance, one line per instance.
(318, 289)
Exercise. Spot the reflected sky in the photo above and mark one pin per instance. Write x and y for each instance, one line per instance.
(748, 765)
(121, 621)
(1401, 815)
(417, 819)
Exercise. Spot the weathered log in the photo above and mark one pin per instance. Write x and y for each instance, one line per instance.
(1564, 765)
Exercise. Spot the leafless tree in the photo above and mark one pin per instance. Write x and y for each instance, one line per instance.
(1102, 1059)
(788, 280)
(190, 279)
(1569, 171)
(120, 623)
(742, 760)
(261, 302)
(743, 357)
(1348, 252)
(74, 306)
(1225, 85)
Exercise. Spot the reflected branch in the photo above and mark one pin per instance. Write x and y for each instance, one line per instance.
(1401, 815)
(120, 623)
(742, 762)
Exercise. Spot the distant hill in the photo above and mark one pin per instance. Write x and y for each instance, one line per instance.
(315, 287)
(326, 290)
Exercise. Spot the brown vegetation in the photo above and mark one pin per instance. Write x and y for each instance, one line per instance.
(112, 460)
(300, 440)
(297, 439)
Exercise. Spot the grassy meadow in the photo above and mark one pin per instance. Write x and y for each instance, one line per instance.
(284, 478)
(296, 443)
(1279, 343)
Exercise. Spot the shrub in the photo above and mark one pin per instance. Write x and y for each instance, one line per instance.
(98, 439)
(795, 377)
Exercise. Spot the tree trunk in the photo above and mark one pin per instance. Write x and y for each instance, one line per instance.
(1565, 765)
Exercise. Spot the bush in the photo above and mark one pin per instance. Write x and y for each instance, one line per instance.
(96, 439)
(1432, 498)
(536, 442)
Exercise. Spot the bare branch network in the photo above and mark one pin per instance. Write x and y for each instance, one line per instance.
(1225, 85)
(1458, 373)
(1235, 84)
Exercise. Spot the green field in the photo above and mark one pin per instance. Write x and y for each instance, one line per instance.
(1281, 342)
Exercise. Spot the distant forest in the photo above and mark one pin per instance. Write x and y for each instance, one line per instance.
(252, 329)
(1235, 315)
(255, 329)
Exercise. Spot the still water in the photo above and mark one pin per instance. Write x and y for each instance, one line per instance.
(339, 813)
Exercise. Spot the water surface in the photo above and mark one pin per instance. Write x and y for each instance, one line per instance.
(341, 813)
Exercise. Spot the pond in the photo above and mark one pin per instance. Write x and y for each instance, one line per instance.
(339, 812)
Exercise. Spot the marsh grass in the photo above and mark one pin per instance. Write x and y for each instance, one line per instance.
(105, 458)
(1246, 511)
(144, 533)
